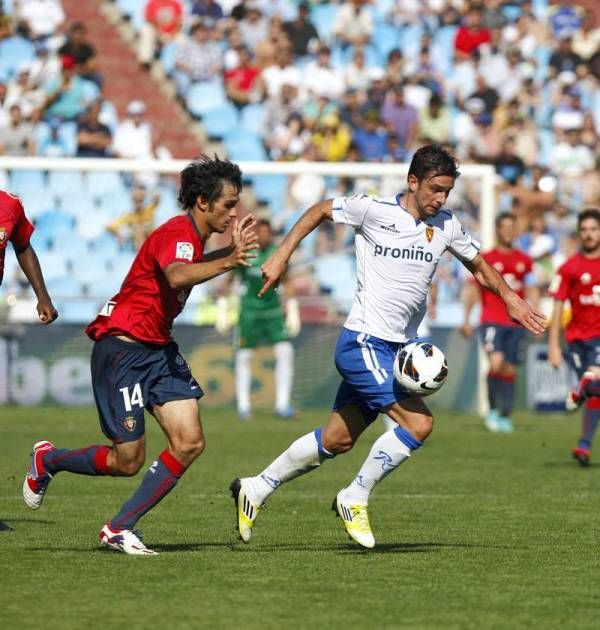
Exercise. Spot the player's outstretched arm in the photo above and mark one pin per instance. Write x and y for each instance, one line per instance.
(29, 263)
(555, 355)
(518, 309)
(180, 275)
(274, 268)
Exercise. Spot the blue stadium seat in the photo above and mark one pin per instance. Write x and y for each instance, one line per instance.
(410, 40)
(442, 47)
(14, 51)
(271, 189)
(219, 121)
(108, 115)
(323, 16)
(79, 311)
(101, 183)
(22, 181)
(204, 96)
(167, 57)
(61, 182)
(63, 287)
(133, 10)
(243, 145)
(54, 222)
(35, 201)
(386, 37)
(53, 264)
(67, 132)
(252, 117)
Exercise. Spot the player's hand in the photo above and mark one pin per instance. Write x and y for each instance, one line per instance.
(244, 241)
(46, 311)
(522, 313)
(555, 356)
(466, 330)
(272, 271)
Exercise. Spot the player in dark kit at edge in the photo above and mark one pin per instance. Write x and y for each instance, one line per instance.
(135, 363)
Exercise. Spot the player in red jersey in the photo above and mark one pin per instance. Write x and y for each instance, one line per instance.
(578, 280)
(501, 336)
(135, 363)
(15, 227)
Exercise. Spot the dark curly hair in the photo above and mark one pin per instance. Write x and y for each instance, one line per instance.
(433, 160)
(588, 213)
(205, 178)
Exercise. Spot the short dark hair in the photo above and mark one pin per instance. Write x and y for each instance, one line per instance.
(264, 221)
(588, 213)
(205, 177)
(503, 216)
(433, 160)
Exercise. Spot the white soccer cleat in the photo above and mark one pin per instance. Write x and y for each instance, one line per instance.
(37, 479)
(124, 540)
(356, 521)
(246, 509)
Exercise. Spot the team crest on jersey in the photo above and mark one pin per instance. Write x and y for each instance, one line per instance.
(129, 423)
(586, 278)
(429, 233)
(520, 267)
(2, 235)
(185, 251)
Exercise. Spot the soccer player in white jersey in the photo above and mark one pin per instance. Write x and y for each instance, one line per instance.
(399, 241)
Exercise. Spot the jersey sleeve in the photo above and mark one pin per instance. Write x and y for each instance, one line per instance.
(561, 284)
(462, 245)
(351, 210)
(172, 247)
(23, 229)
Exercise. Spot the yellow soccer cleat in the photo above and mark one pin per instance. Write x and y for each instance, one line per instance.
(356, 521)
(246, 509)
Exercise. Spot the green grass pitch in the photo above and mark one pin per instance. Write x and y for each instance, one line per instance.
(475, 531)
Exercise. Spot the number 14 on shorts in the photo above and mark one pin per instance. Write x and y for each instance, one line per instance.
(133, 398)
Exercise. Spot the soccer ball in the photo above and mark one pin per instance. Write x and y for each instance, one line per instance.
(420, 368)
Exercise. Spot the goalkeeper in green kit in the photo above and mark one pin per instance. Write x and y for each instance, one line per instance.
(262, 321)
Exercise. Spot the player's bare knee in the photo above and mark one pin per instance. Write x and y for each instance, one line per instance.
(129, 467)
(188, 450)
(338, 444)
(422, 427)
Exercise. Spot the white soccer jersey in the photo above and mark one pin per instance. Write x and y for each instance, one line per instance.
(396, 257)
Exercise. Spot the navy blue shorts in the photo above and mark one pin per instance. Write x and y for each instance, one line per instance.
(504, 339)
(583, 354)
(366, 364)
(130, 377)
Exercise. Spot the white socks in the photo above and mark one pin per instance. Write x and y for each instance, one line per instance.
(243, 379)
(386, 454)
(284, 374)
(301, 457)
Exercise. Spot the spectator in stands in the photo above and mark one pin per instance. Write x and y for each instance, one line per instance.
(331, 140)
(300, 31)
(472, 33)
(65, 97)
(17, 138)
(400, 117)
(207, 11)
(508, 164)
(492, 14)
(42, 18)
(377, 90)
(394, 68)
(321, 78)
(356, 73)
(371, 138)
(83, 52)
(282, 71)
(568, 111)
(350, 108)
(280, 107)
(253, 26)
(565, 18)
(133, 136)
(565, 59)
(570, 160)
(288, 139)
(434, 122)
(197, 58)
(487, 94)
(586, 39)
(44, 67)
(353, 23)
(163, 20)
(21, 92)
(134, 227)
(233, 40)
(53, 145)
(4, 105)
(242, 83)
(93, 137)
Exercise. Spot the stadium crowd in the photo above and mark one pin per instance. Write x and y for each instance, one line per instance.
(513, 83)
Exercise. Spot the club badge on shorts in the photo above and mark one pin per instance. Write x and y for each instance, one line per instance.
(129, 423)
(2, 235)
(429, 233)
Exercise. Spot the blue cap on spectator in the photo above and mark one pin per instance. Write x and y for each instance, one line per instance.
(54, 123)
